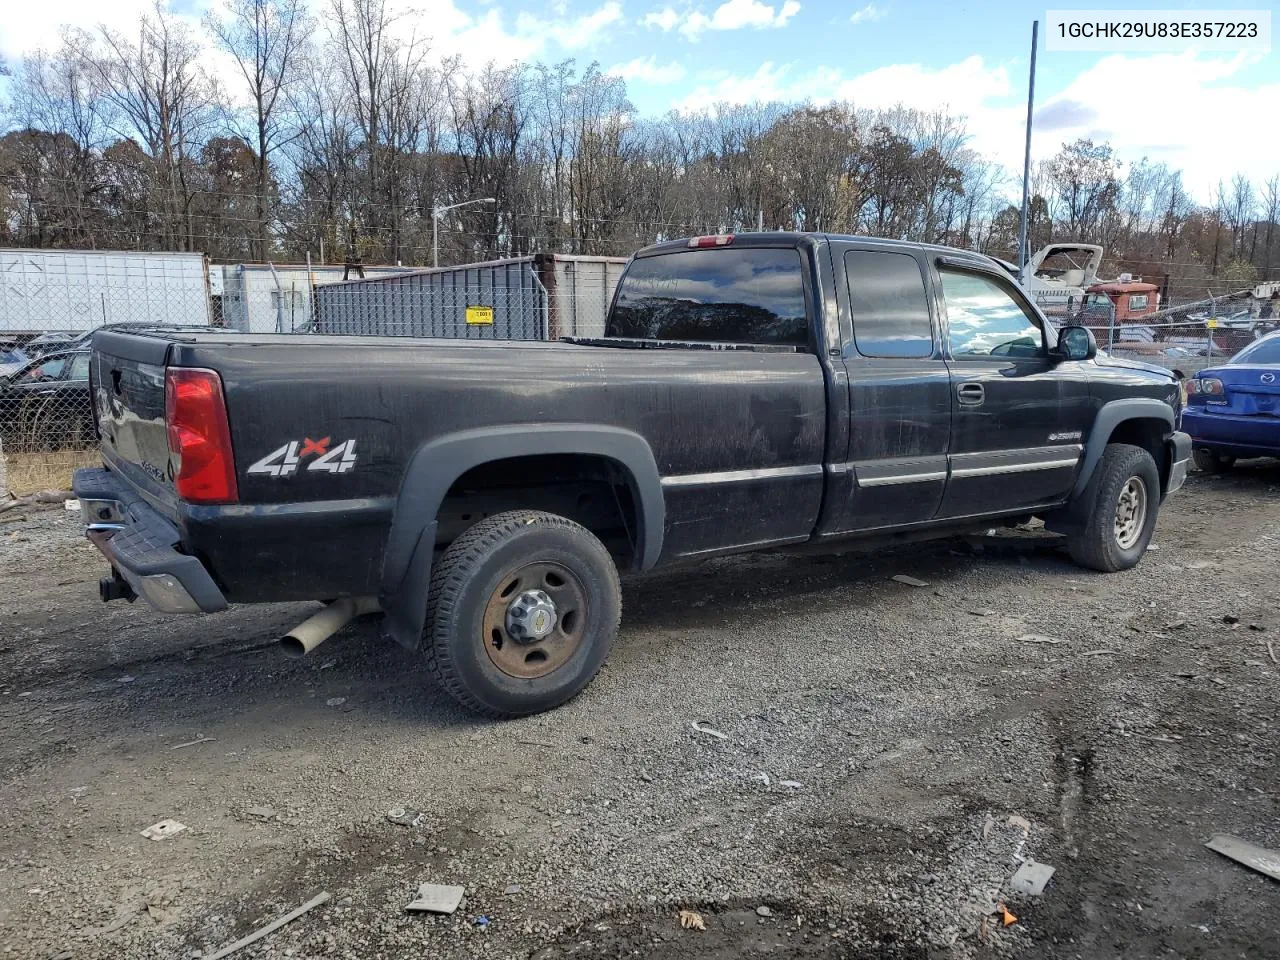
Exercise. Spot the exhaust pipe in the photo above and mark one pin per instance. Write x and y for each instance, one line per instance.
(319, 627)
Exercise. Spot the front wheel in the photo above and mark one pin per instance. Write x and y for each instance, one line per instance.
(523, 608)
(1210, 461)
(1123, 514)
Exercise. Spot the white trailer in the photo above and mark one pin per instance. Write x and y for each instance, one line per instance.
(77, 290)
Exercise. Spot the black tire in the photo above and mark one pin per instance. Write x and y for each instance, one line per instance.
(466, 584)
(1099, 543)
(1210, 461)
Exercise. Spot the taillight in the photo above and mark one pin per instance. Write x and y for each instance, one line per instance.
(195, 413)
(1205, 387)
(719, 240)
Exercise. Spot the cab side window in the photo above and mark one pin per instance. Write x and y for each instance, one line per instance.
(889, 306)
(984, 319)
(79, 367)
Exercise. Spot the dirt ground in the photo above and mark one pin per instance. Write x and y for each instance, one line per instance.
(878, 738)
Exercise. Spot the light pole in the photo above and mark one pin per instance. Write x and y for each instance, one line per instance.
(435, 224)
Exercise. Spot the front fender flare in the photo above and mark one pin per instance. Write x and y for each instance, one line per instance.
(433, 468)
(1109, 417)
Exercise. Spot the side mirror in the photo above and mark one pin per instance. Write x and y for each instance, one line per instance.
(1076, 344)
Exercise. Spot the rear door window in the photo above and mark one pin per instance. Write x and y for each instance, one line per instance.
(887, 299)
(744, 295)
(79, 367)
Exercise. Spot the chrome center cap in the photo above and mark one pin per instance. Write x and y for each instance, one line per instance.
(531, 616)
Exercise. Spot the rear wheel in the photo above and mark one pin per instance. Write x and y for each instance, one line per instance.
(523, 609)
(1123, 514)
(1210, 461)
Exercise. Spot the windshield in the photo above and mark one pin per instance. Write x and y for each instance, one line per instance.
(1262, 352)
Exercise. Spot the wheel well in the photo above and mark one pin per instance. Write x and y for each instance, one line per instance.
(1148, 433)
(593, 491)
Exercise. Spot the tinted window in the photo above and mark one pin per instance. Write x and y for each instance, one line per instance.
(1268, 351)
(79, 367)
(985, 320)
(890, 313)
(720, 296)
(49, 370)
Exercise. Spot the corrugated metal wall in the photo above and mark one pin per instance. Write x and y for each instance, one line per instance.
(532, 298)
(253, 303)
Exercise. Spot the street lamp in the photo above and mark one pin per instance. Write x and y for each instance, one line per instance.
(435, 224)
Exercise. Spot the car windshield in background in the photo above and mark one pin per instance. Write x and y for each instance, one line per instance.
(1262, 352)
(752, 295)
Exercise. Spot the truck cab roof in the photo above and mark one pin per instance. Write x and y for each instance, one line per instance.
(797, 238)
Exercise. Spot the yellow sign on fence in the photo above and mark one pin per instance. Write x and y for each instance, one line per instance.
(1211, 323)
(480, 315)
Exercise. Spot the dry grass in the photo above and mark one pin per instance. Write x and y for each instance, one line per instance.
(46, 470)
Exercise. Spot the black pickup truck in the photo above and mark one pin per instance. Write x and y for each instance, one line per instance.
(752, 392)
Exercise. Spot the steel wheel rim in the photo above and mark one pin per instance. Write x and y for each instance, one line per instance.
(532, 659)
(1131, 512)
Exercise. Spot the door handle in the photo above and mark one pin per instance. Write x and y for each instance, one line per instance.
(971, 394)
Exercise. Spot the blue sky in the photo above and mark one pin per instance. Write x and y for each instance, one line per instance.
(1210, 114)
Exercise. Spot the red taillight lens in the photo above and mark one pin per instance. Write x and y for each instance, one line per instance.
(199, 436)
(718, 240)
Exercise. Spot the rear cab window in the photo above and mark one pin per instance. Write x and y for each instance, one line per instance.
(739, 295)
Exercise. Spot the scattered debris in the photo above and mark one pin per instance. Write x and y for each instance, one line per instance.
(1021, 823)
(41, 497)
(263, 813)
(762, 777)
(1271, 652)
(270, 928)
(1257, 626)
(436, 898)
(763, 911)
(909, 581)
(335, 701)
(71, 505)
(1007, 919)
(1242, 851)
(1030, 878)
(1100, 653)
(482, 922)
(984, 612)
(328, 664)
(513, 889)
(790, 784)
(1176, 625)
(1230, 619)
(709, 731)
(192, 743)
(125, 679)
(1038, 638)
(164, 830)
(692, 920)
(406, 816)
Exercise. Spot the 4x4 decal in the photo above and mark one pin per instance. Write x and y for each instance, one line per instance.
(285, 461)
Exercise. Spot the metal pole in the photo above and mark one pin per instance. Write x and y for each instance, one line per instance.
(435, 236)
(1026, 159)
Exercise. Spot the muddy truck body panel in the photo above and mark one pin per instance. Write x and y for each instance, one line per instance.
(753, 392)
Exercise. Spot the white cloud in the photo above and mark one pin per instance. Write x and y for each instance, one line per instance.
(573, 34)
(648, 70)
(664, 19)
(868, 14)
(1188, 102)
(730, 15)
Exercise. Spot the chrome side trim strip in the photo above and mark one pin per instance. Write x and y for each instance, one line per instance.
(742, 476)
(1024, 460)
(897, 478)
(1014, 468)
(885, 473)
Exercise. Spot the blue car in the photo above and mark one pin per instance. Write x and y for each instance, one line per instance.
(1234, 410)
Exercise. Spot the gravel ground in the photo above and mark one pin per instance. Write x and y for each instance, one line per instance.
(878, 739)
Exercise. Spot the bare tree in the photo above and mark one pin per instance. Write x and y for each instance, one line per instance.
(269, 41)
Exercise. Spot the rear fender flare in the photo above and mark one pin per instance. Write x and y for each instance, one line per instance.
(433, 468)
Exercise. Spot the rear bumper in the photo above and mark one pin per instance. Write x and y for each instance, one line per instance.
(1257, 436)
(141, 546)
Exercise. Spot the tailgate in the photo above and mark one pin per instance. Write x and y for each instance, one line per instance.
(127, 374)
